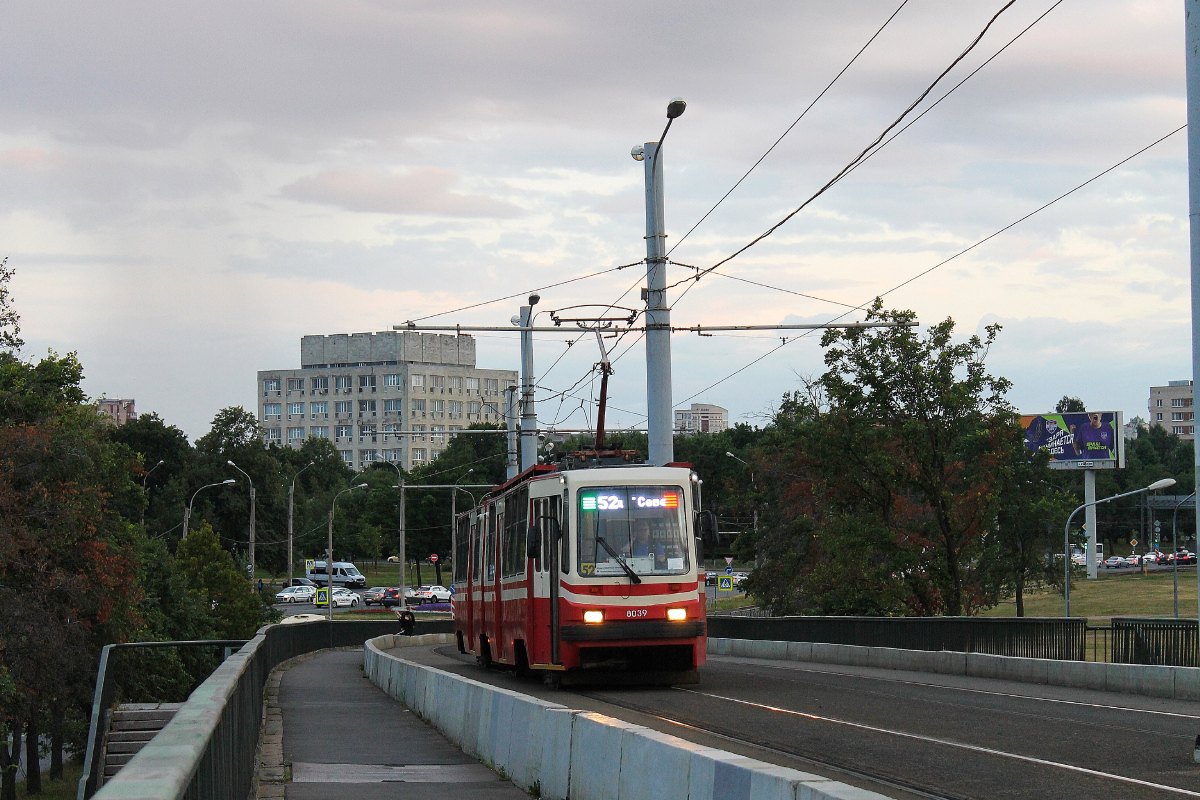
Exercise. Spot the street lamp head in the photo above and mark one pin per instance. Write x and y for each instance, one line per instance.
(534, 298)
(361, 486)
(638, 152)
(227, 481)
(159, 464)
(731, 455)
(675, 108)
(1162, 484)
(230, 463)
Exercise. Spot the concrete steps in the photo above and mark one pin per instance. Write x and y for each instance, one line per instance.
(130, 726)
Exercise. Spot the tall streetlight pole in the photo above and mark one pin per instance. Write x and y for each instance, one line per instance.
(1192, 71)
(187, 512)
(529, 431)
(754, 508)
(253, 506)
(144, 479)
(291, 496)
(658, 314)
(1162, 484)
(329, 552)
(1175, 551)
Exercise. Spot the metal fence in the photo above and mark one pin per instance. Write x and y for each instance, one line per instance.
(1029, 637)
(207, 750)
(1163, 642)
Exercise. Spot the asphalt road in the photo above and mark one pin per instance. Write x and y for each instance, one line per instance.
(906, 734)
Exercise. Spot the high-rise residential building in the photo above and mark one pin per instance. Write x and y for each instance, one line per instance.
(399, 395)
(701, 417)
(1171, 407)
(118, 412)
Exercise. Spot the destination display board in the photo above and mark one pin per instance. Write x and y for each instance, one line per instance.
(1084, 440)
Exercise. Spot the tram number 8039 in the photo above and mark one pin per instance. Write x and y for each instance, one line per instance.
(636, 612)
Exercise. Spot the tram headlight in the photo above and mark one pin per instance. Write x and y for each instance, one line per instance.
(593, 616)
(677, 614)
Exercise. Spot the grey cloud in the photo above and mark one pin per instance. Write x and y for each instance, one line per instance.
(424, 190)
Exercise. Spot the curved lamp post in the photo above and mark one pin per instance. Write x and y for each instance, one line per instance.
(291, 496)
(144, 479)
(1162, 484)
(187, 512)
(253, 504)
(329, 553)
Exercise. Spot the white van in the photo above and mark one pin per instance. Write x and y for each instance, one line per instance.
(344, 574)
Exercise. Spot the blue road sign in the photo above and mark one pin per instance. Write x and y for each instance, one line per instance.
(724, 583)
(729, 570)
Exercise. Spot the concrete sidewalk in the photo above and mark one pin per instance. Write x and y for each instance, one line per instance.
(339, 729)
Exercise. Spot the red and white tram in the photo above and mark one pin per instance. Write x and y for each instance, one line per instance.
(584, 574)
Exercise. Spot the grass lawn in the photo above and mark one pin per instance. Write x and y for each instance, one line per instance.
(57, 790)
(1111, 596)
(739, 601)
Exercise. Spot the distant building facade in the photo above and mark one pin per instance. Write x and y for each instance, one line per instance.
(701, 417)
(118, 412)
(1131, 428)
(1171, 407)
(399, 395)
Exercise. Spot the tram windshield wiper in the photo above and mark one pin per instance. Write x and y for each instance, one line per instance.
(633, 576)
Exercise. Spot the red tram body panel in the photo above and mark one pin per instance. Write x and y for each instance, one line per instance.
(588, 574)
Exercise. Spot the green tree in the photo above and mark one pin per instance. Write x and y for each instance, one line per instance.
(906, 446)
(1070, 405)
(212, 576)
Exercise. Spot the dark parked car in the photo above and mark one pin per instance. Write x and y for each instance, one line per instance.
(391, 598)
(302, 582)
(374, 595)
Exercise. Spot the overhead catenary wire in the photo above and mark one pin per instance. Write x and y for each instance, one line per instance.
(943, 262)
(795, 122)
(854, 161)
(873, 153)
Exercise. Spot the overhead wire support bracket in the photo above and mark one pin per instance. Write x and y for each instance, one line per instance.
(700, 329)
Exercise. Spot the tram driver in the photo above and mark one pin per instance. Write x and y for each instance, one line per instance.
(644, 545)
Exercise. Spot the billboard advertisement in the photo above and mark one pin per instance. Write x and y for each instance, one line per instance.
(1086, 440)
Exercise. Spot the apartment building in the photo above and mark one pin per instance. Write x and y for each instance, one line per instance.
(118, 412)
(395, 395)
(701, 417)
(1171, 407)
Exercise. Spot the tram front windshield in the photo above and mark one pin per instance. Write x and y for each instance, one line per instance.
(642, 526)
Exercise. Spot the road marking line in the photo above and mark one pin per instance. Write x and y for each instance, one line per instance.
(949, 743)
(965, 689)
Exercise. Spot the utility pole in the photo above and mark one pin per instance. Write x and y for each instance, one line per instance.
(1089, 519)
(529, 423)
(253, 508)
(403, 555)
(291, 498)
(511, 464)
(658, 315)
(1192, 70)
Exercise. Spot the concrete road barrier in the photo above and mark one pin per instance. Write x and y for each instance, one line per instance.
(1177, 683)
(567, 754)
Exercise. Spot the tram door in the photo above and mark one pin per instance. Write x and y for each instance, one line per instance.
(544, 521)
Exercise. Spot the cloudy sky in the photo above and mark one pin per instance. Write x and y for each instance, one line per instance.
(186, 189)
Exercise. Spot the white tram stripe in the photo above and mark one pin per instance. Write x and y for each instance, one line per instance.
(949, 743)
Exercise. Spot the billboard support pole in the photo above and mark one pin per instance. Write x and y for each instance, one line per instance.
(1192, 71)
(1089, 497)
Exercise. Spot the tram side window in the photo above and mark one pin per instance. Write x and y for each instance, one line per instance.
(462, 544)
(564, 558)
(489, 543)
(477, 544)
(541, 561)
(516, 520)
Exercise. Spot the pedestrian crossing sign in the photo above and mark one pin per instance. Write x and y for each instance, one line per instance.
(322, 597)
(309, 564)
(724, 583)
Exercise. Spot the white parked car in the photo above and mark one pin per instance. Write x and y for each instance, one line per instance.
(431, 594)
(296, 594)
(344, 597)
(1133, 561)
(1114, 562)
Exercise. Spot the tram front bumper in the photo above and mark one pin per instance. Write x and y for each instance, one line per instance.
(627, 631)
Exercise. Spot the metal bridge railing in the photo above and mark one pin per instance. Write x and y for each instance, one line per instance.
(207, 750)
(1164, 642)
